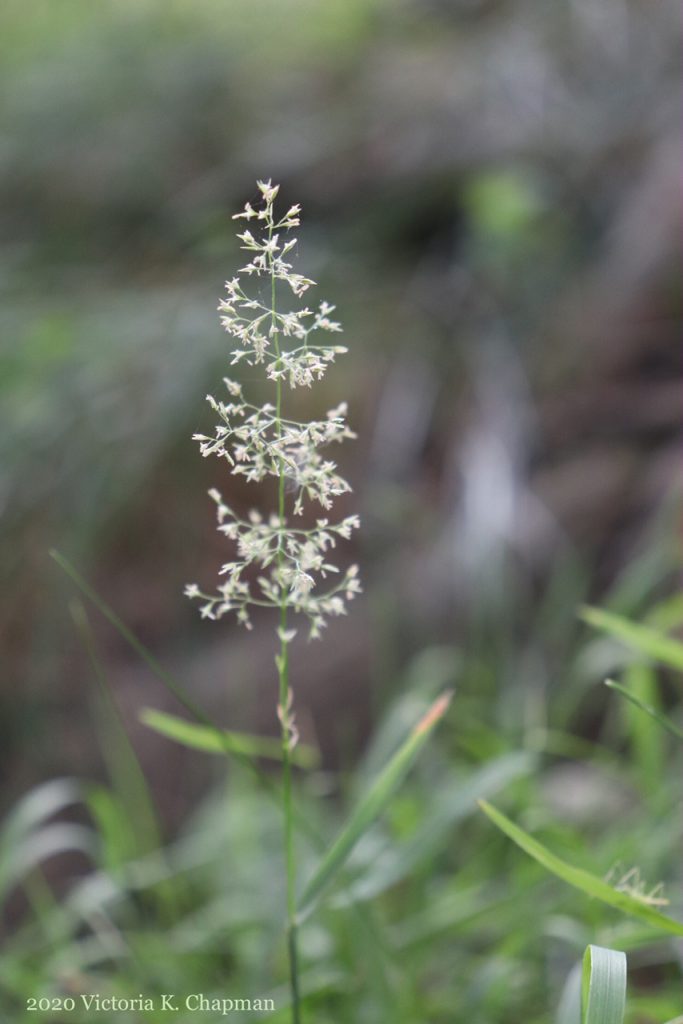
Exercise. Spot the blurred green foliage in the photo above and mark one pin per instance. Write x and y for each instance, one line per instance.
(489, 184)
(436, 917)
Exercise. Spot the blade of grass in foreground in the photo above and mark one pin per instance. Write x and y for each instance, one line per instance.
(372, 804)
(644, 639)
(603, 986)
(201, 737)
(580, 879)
(647, 708)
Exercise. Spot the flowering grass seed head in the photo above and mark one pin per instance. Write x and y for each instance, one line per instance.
(258, 442)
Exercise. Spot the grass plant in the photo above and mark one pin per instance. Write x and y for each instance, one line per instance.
(260, 442)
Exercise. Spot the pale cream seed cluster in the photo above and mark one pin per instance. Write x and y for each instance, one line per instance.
(293, 567)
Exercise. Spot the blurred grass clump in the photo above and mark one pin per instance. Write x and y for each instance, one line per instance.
(435, 916)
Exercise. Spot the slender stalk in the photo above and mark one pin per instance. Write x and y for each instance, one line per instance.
(282, 662)
(259, 441)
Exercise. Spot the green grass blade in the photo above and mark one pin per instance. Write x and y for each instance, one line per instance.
(213, 741)
(580, 879)
(125, 770)
(110, 615)
(643, 639)
(117, 844)
(643, 730)
(647, 708)
(456, 801)
(372, 804)
(603, 986)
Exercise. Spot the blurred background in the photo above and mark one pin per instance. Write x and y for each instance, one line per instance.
(490, 196)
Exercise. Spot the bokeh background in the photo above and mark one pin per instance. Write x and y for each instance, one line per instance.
(490, 196)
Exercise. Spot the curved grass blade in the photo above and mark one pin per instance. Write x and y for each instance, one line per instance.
(603, 986)
(580, 879)
(40, 804)
(27, 837)
(644, 639)
(647, 708)
(212, 741)
(372, 804)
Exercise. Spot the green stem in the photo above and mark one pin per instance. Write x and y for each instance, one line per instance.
(282, 662)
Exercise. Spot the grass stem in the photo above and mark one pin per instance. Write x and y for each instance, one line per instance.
(282, 662)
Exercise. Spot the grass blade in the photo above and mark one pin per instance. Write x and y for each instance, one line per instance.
(372, 804)
(456, 801)
(27, 836)
(212, 741)
(647, 708)
(110, 615)
(39, 845)
(643, 731)
(603, 986)
(125, 770)
(643, 639)
(580, 879)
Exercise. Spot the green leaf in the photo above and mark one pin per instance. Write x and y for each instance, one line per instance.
(643, 639)
(372, 804)
(456, 800)
(647, 708)
(117, 840)
(220, 741)
(648, 751)
(603, 986)
(580, 879)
